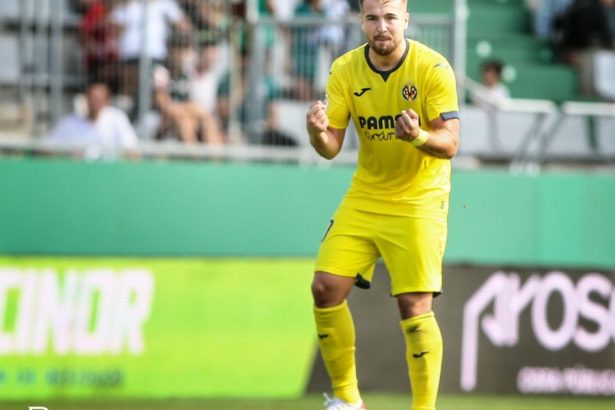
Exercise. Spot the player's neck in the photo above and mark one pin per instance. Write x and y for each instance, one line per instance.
(388, 62)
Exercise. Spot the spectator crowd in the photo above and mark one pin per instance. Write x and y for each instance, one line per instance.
(196, 64)
(578, 33)
(213, 79)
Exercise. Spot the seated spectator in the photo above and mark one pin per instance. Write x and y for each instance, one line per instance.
(547, 14)
(99, 40)
(163, 16)
(181, 115)
(585, 26)
(103, 131)
(205, 77)
(585, 31)
(492, 90)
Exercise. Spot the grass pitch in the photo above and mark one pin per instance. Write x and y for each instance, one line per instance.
(374, 402)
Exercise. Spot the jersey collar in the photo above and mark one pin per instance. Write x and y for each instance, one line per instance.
(386, 73)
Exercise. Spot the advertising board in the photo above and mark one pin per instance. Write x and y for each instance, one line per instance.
(537, 331)
(505, 330)
(76, 327)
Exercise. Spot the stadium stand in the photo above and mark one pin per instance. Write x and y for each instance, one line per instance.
(496, 29)
(501, 30)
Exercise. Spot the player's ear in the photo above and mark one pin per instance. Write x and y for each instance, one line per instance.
(407, 17)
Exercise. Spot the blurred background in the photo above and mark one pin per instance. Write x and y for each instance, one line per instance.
(160, 205)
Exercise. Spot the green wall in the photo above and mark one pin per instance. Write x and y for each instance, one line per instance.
(553, 219)
(62, 207)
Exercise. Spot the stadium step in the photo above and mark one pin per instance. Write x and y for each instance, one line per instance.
(545, 81)
(497, 20)
(500, 29)
(517, 47)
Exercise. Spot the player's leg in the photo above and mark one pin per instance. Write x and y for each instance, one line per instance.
(413, 249)
(336, 335)
(345, 251)
(423, 348)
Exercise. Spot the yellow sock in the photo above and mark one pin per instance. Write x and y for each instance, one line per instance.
(336, 338)
(424, 357)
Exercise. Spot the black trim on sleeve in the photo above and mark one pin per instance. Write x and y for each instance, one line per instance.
(449, 115)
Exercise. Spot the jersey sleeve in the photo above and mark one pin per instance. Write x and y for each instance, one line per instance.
(442, 92)
(335, 100)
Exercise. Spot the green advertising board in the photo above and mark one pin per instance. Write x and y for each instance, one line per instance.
(102, 327)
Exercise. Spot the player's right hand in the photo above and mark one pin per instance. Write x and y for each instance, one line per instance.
(316, 118)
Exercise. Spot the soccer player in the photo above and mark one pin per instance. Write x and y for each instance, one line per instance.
(401, 96)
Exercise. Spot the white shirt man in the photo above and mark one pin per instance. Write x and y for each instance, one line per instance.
(104, 132)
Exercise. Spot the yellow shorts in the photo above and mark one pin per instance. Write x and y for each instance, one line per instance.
(412, 248)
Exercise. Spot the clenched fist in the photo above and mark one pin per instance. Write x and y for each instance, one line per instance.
(407, 125)
(316, 118)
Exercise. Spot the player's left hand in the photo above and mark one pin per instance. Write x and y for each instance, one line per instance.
(407, 125)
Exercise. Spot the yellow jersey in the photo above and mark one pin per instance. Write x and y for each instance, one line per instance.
(392, 176)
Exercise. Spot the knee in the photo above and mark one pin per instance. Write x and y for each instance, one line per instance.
(320, 292)
(414, 304)
(329, 291)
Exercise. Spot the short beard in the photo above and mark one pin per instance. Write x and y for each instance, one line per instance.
(383, 51)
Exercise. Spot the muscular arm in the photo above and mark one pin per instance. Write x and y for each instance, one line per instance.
(442, 141)
(326, 140)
